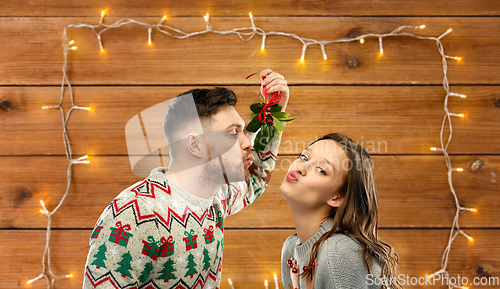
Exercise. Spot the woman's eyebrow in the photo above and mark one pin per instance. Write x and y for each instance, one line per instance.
(327, 161)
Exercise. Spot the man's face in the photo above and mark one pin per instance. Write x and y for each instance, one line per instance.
(228, 140)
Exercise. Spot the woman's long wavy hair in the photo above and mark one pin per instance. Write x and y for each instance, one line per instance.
(357, 216)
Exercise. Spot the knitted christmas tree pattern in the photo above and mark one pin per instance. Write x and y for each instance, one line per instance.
(125, 265)
(145, 273)
(167, 272)
(191, 266)
(206, 259)
(100, 256)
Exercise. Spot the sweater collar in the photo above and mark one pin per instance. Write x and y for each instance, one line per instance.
(305, 248)
(158, 174)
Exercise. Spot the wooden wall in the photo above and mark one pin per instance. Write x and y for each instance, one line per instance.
(396, 99)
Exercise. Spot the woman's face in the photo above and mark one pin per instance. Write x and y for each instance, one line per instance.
(314, 179)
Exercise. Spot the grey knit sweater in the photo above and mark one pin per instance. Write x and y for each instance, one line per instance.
(339, 262)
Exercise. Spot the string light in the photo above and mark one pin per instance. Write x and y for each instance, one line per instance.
(241, 32)
(251, 20)
(456, 114)
(276, 281)
(362, 40)
(266, 284)
(163, 19)
(230, 283)
(149, 36)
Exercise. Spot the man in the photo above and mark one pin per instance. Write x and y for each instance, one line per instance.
(167, 230)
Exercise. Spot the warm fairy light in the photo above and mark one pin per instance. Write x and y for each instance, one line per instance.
(207, 16)
(102, 50)
(422, 26)
(29, 282)
(103, 13)
(70, 275)
(433, 149)
(230, 283)
(276, 281)
(73, 48)
(302, 59)
(164, 17)
(457, 94)
(42, 211)
(460, 169)
(458, 58)
(266, 284)
(71, 42)
(250, 14)
(470, 239)
(474, 210)
(362, 40)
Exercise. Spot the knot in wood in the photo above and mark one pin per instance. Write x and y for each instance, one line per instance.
(5, 104)
(352, 63)
(476, 165)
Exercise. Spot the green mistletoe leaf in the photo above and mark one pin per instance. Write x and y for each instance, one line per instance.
(253, 125)
(263, 137)
(280, 114)
(287, 119)
(275, 108)
(278, 124)
(256, 107)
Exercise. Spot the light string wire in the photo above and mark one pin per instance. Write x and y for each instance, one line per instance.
(250, 32)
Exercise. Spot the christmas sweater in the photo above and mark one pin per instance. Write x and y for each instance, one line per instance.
(156, 235)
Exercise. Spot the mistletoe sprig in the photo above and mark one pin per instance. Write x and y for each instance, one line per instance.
(267, 116)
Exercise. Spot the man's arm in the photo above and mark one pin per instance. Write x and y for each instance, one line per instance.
(118, 248)
(242, 194)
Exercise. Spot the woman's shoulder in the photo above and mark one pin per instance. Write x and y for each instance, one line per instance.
(342, 250)
(290, 242)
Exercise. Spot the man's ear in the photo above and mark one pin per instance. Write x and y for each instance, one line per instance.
(193, 146)
(335, 201)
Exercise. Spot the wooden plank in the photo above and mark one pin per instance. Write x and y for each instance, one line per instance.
(251, 256)
(32, 52)
(384, 119)
(261, 8)
(413, 192)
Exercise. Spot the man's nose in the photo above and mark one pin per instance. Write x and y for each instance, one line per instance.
(245, 142)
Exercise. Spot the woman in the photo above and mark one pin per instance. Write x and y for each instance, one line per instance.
(331, 191)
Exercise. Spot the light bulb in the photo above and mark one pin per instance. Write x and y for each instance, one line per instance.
(206, 17)
(362, 40)
(71, 42)
(422, 26)
(460, 169)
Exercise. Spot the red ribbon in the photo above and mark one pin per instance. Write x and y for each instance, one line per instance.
(275, 99)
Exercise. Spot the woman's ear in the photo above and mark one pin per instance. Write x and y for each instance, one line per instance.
(335, 201)
(193, 146)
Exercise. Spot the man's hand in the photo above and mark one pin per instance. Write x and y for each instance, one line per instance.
(274, 82)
